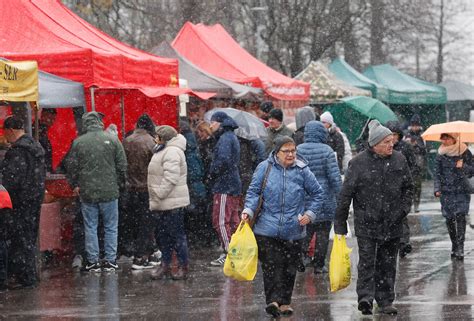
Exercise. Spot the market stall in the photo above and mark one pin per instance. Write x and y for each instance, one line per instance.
(212, 49)
(325, 87)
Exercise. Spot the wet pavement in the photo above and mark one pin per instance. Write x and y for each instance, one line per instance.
(430, 286)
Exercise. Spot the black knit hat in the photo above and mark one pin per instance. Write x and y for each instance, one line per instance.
(266, 106)
(276, 113)
(145, 122)
(13, 122)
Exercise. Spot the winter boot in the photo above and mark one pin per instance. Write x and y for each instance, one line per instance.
(451, 225)
(461, 233)
(164, 271)
(181, 273)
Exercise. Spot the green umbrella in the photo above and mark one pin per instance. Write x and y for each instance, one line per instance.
(352, 113)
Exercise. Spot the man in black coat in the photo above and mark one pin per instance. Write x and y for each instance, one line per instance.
(23, 174)
(379, 183)
(407, 150)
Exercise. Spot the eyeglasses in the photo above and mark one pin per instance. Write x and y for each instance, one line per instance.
(288, 151)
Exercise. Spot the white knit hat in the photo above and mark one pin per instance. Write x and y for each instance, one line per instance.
(326, 117)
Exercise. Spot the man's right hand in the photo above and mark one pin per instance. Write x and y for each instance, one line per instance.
(437, 194)
(244, 216)
(75, 191)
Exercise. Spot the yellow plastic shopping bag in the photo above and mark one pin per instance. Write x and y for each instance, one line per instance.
(242, 255)
(340, 264)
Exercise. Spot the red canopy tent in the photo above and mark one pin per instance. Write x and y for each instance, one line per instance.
(214, 50)
(128, 81)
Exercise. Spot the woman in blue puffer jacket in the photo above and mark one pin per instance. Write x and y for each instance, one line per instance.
(281, 225)
(323, 163)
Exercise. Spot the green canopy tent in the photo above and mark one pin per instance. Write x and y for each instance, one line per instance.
(325, 86)
(343, 71)
(352, 114)
(460, 100)
(408, 96)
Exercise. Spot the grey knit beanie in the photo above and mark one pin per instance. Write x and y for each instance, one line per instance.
(377, 132)
(279, 141)
(166, 132)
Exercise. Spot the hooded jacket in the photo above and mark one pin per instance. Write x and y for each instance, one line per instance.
(289, 192)
(139, 150)
(23, 174)
(272, 134)
(302, 117)
(323, 164)
(381, 189)
(167, 176)
(97, 162)
(224, 170)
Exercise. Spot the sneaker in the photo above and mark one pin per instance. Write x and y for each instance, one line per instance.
(141, 264)
(91, 267)
(109, 266)
(220, 260)
(154, 260)
(157, 254)
(77, 262)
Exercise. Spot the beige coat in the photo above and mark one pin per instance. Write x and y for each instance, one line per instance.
(167, 174)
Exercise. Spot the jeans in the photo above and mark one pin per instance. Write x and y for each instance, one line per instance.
(90, 213)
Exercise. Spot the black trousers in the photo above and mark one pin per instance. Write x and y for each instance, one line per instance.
(322, 230)
(376, 270)
(3, 251)
(22, 248)
(145, 240)
(279, 260)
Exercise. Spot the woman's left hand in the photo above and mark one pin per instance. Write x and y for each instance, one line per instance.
(304, 219)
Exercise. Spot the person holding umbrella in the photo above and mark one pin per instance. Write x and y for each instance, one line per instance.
(453, 166)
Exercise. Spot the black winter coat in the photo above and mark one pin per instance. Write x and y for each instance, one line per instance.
(407, 150)
(381, 190)
(336, 142)
(448, 178)
(23, 174)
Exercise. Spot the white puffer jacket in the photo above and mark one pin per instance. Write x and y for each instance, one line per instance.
(167, 173)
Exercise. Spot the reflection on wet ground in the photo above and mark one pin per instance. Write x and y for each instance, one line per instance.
(430, 286)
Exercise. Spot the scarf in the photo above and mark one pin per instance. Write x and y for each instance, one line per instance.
(457, 149)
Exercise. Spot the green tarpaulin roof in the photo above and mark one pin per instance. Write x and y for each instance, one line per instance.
(404, 89)
(346, 73)
(325, 86)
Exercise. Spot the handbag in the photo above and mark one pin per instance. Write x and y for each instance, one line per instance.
(260, 198)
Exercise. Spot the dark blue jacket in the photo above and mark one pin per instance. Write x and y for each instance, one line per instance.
(322, 162)
(224, 171)
(448, 178)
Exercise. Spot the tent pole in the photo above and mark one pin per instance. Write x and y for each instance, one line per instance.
(92, 90)
(122, 108)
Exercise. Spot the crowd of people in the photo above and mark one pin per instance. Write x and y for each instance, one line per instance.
(167, 189)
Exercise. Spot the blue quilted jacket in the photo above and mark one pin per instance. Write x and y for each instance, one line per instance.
(284, 199)
(322, 162)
